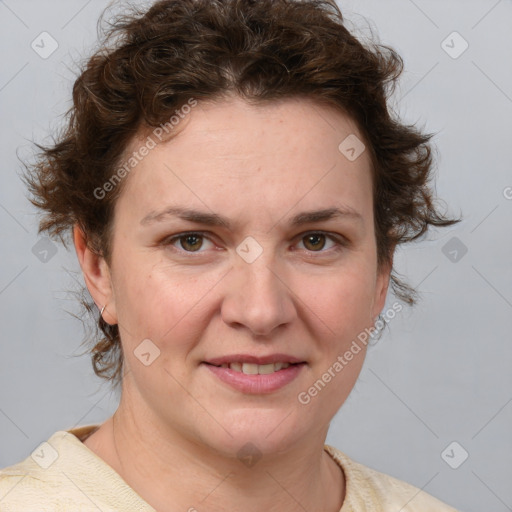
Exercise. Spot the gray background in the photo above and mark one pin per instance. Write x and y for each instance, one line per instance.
(442, 371)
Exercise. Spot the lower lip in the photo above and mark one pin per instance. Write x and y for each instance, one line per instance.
(256, 384)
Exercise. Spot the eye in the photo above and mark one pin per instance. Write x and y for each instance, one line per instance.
(316, 241)
(189, 242)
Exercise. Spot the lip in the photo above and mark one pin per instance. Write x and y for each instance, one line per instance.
(247, 358)
(255, 384)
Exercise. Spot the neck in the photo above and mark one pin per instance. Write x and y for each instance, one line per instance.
(173, 472)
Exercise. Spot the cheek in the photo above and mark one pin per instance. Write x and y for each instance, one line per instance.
(344, 298)
(343, 304)
(162, 303)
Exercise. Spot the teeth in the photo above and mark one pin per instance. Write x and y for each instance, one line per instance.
(235, 366)
(265, 369)
(250, 369)
(256, 369)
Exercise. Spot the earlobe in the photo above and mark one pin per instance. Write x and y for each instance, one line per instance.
(381, 289)
(97, 276)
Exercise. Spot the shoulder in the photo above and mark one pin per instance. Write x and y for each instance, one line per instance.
(368, 489)
(23, 484)
(62, 474)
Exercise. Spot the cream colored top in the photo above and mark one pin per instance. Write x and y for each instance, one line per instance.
(63, 475)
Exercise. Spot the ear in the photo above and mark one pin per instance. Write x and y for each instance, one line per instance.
(381, 288)
(97, 276)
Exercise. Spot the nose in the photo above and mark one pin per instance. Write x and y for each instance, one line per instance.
(257, 297)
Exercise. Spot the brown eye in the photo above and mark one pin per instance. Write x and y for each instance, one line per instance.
(191, 242)
(314, 241)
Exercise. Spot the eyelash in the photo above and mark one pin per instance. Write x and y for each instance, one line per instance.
(341, 243)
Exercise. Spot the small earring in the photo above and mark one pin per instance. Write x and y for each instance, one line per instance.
(102, 309)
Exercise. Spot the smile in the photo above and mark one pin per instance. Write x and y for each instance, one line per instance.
(255, 369)
(254, 378)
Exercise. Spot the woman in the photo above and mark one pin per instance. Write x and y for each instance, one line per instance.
(235, 188)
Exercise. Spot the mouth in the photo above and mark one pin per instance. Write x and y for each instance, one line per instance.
(256, 375)
(256, 369)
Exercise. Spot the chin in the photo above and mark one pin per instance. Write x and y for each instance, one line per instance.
(263, 430)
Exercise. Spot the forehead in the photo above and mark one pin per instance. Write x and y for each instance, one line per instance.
(232, 125)
(277, 152)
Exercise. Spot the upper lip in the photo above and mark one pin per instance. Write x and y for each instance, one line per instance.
(246, 358)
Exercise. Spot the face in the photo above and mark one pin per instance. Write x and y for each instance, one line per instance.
(218, 258)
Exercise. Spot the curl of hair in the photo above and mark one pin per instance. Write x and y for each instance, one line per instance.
(152, 62)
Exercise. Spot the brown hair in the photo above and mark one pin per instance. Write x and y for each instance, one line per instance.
(152, 62)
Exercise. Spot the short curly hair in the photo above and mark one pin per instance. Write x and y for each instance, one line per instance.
(151, 62)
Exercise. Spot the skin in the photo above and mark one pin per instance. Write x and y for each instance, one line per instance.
(178, 428)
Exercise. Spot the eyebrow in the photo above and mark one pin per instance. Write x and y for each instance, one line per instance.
(214, 219)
